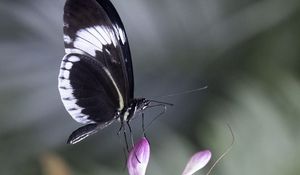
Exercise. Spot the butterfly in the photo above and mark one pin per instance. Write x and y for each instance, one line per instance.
(95, 80)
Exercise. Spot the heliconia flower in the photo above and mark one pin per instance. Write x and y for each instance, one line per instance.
(197, 161)
(139, 157)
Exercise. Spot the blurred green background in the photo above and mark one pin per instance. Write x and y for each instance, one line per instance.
(246, 51)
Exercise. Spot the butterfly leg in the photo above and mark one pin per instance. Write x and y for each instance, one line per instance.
(130, 132)
(143, 125)
(125, 148)
(125, 136)
(120, 129)
(131, 137)
(159, 115)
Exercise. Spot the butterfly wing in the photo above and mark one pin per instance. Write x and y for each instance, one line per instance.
(115, 18)
(85, 131)
(95, 79)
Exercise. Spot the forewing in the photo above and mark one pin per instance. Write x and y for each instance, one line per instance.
(116, 20)
(91, 28)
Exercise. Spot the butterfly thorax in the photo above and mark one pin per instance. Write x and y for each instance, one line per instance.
(134, 106)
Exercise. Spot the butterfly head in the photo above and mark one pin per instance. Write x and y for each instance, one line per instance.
(136, 105)
(141, 104)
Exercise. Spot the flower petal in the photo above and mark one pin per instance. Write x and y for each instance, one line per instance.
(139, 157)
(197, 161)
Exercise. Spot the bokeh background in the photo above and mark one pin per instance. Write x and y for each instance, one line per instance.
(246, 51)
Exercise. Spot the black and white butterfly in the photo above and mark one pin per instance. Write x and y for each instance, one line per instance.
(95, 81)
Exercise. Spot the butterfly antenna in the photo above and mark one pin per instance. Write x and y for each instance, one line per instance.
(159, 103)
(224, 153)
(184, 92)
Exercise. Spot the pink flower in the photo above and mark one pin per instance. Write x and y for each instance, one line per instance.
(197, 162)
(139, 157)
